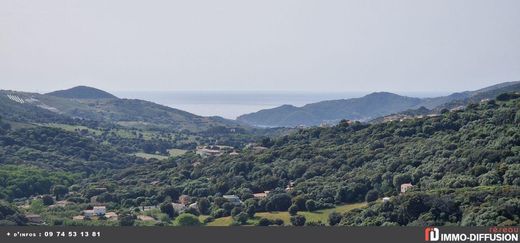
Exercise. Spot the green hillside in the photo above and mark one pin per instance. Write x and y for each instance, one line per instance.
(82, 92)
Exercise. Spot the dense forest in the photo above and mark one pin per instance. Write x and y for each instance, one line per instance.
(463, 165)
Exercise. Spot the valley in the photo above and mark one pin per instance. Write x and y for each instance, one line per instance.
(85, 157)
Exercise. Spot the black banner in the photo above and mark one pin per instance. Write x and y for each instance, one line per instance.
(258, 234)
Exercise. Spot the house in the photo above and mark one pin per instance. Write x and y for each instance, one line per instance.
(179, 207)
(405, 187)
(234, 153)
(100, 210)
(194, 206)
(34, 218)
(145, 218)
(60, 204)
(96, 211)
(111, 216)
(206, 152)
(260, 195)
(259, 149)
(386, 199)
(458, 108)
(89, 213)
(233, 199)
(184, 199)
(147, 208)
(290, 186)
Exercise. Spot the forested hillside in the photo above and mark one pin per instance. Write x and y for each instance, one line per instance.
(463, 165)
(468, 159)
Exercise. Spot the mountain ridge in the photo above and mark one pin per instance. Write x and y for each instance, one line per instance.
(366, 108)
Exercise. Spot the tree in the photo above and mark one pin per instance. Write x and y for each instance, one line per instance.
(171, 192)
(203, 205)
(187, 219)
(47, 200)
(59, 190)
(310, 205)
(168, 209)
(127, 220)
(251, 210)
(235, 211)
(298, 220)
(278, 222)
(293, 210)
(371, 196)
(334, 218)
(241, 218)
(264, 222)
(299, 201)
(280, 202)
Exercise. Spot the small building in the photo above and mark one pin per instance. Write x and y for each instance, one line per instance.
(184, 199)
(194, 206)
(290, 186)
(261, 195)
(233, 199)
(386, 199)
(111, 216)
(458, 108)
(145, 218)
(147, 208)
(405, 187)
(89, 213)
(61, 204)
(205, 152)
(34, 218)
(179, 207)
(100, 210)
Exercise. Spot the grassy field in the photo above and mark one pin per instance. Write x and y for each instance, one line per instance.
(71, 128)
(176, 152)
(318, 215)
(150, 156)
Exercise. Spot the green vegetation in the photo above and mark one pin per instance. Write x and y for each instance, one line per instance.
(463, 166)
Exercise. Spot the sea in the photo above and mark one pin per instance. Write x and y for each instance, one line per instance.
(231, 104)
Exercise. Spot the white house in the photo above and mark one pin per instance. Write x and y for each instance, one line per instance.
(386, 199)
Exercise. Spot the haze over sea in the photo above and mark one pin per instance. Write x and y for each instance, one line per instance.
(231, 104)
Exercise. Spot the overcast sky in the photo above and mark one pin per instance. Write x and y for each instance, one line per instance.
(321, 45)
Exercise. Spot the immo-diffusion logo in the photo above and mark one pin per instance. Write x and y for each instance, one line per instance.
(431, 234)
(495, 234)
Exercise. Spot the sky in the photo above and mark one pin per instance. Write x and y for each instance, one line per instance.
(300, 45)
